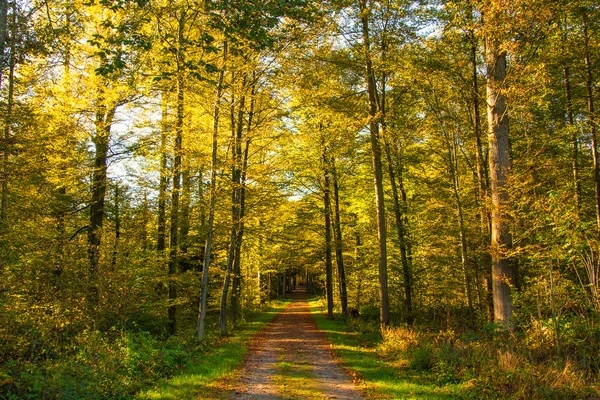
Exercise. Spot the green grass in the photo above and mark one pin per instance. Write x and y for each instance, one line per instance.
(378, 377)
(212, 371)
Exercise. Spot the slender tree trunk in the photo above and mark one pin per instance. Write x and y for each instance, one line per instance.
(503, 276)
(483, 181)
(359, 261)
(104, 117)
(570, 121)
(237, 282)
(405, 257)
(461, 223)
(184, 225)
(9, 110)
(574, 139)
(174, 249)
(236, 174)
(115, 251)
(163, 183)
(589, 84)
(327, 213)
(145, 221)
(339, 256)
(3, 35)
(377, 167)
(212, 199)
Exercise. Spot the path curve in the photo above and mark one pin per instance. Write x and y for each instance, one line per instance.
(291, 359)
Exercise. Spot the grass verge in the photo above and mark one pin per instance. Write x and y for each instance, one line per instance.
(357, 347)
(212, 371)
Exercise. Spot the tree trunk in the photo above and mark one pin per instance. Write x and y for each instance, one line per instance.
(377, 167)
(212, 200)
(589, 84)
(570, 121)
(9, 108)
(327, 213)
(483, 182)
(461, 224)
(359, 261)
(574, 139)
(339, 256)
(405, 257)
(499, 159)
(117, 195)
(104, 117)
(236, 287)
(174, 253)
(3, 35)
(236, 175)
(184, 224)
(163, 183)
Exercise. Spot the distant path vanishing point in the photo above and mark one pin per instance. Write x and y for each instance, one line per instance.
(291, 359)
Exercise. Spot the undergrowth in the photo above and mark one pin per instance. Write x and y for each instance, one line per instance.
(411, 363)
(116, 364)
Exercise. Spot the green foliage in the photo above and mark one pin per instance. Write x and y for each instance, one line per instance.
(468, 366)
(119, 364)
(98, 365)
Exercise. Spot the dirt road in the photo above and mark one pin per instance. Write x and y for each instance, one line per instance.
(291, 359)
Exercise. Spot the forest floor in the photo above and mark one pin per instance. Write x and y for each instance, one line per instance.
(291, 358)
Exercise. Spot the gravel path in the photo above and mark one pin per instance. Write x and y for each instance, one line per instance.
(291, 359)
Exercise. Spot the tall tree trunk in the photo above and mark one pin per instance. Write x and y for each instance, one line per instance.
(359, 261)
(574, 138)
(570, 121)
(104, 117)
(589, 85)
(237, 281)
(212, 199)
(184, 224)
(461, 224)
(117, 194)
(163, 183)
(399, 211)
(236, 175)
(384, 308)
(145, 221)
(483, 183)
(9, 111)
(174, 253)
(503, 276)
(3, 35)
(327, 214)
(339, 256)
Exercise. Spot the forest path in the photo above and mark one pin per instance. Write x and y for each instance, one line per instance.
(291, 359)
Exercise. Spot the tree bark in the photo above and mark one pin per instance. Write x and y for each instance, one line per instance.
(236, 175)
(503, 276)
(117, 194)
(212, 200)
(461, 224)
(163, 182)
(589, 85)
(237, 281)
(9, 111)
(570, 121)
(339, 255)
(574, 139)
(174, 253)
(483, 182)
(400, 213)
(104, 117)
(384, 308)
(327, 214)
